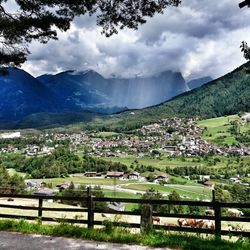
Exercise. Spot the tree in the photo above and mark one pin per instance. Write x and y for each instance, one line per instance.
(40, 20)
(244, 47)
(81, 191)
(10, 184)
(174, 196)
(152, 194)
(246, 50)
(222, 195)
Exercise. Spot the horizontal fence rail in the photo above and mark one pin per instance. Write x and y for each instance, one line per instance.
(90, 209)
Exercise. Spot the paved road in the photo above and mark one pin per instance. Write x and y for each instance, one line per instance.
(17, 241)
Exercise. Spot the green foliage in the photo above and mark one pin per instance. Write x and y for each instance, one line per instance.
(59, 164)
(10, 184)
(81, 191)
(222, 195)
(151, 194)
(176, 209)
(246, 50)
(239, 193)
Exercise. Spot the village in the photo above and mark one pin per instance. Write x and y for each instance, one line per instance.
(175, 136)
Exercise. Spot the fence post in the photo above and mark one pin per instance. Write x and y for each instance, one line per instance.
(217, 214)
(213, 195)
(146, 218)
(90, 208)
(40, 208)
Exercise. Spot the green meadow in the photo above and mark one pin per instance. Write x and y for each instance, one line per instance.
(219, 130)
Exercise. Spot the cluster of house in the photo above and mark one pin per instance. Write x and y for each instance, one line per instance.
(8, 149)
(195, 146)
(32, 150)
(128, 176)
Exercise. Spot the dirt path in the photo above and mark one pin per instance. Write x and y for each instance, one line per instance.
(18, 241)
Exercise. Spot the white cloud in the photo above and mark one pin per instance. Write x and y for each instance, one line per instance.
(199, 38)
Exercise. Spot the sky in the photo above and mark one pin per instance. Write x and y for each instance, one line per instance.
(199, 38)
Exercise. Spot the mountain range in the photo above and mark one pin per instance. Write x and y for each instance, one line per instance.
(229, 94)
(23, 95)
(88, 90)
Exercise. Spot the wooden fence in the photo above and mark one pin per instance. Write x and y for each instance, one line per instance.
(91, 211)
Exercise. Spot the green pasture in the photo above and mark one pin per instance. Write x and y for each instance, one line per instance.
(188, 192)
(83, 180)
(34, 203)
(118, 194)
(218, 130)
(106, 134)
(179, 161)
(219, 121)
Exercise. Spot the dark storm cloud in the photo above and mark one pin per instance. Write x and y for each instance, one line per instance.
(199, 38)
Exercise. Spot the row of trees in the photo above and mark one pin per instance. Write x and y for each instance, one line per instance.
(216, 173)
